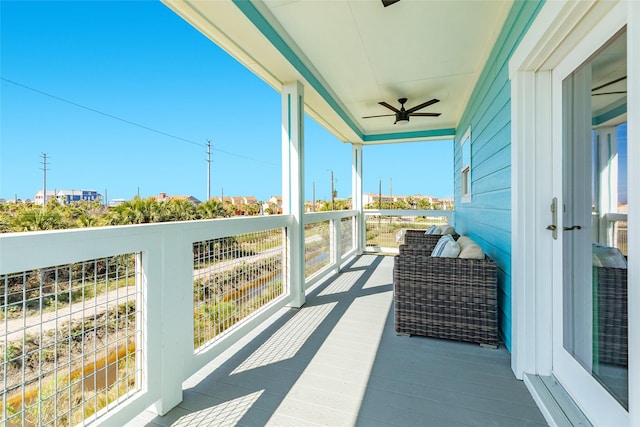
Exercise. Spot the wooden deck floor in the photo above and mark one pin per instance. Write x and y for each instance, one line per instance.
(338, 362)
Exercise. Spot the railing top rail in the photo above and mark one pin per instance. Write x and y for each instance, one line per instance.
(611, 216)
(410, 212)
(47, 248)
(312, 217)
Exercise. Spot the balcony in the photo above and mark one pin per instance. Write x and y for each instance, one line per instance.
(200, 321)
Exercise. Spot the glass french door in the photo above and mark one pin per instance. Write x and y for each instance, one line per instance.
(590, 354)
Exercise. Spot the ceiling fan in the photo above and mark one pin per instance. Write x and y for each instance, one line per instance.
(402, 115)
(619, 92)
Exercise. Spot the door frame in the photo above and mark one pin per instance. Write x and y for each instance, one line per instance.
(561, 30)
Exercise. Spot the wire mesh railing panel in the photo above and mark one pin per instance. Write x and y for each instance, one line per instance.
(234, 277)
(347, 226)
(620, 236)
(317, 243)
(385, 231)
(69, 336)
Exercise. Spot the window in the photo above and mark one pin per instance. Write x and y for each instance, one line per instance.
(465, 178)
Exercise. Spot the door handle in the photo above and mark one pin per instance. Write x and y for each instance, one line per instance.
(573, 227)
(554, 219)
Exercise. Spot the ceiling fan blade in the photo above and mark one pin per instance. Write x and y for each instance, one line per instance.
(425, 114)
(386, 3)
(609, 83)
(423, 105)
(610, 93)
(389, 106)
(381, 115)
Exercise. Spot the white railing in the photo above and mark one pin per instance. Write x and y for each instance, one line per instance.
(383, 226)
(329, 239)
(613, 230)
(171, 272)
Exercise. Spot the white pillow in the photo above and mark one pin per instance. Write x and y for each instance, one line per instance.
(609, 257)
(446, 247)
(400, 235)
(595, 260)
(431, 230)
(469, 249)
(447, 229)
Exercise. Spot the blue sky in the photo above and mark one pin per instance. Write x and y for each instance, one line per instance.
(123, 96)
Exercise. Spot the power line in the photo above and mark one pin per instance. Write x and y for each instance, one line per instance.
(111, 116)
(93, 110)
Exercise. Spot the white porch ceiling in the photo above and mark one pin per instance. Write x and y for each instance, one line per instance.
(352, 54)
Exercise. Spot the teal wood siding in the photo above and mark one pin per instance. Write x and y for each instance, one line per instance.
(487, 218)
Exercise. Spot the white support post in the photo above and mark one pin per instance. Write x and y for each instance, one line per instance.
(607, 190)
(293, 185)
(356, 196)
(168, 295)
(336, 243)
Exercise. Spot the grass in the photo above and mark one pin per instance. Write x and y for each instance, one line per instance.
(64, 385)
(217, 315)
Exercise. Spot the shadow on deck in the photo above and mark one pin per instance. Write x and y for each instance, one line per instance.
(338, 362)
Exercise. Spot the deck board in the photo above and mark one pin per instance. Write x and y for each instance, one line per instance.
(338, 362)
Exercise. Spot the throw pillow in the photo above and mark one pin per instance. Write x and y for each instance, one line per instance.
(431, 230)
(446, 247)
(609, 257)
(447, 229)
(469, 249)
(595, 260)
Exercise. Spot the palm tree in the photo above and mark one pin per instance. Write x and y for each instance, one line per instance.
(136, 211)
(212, 209)
(424, 204)
(180, 210)
(36, 219)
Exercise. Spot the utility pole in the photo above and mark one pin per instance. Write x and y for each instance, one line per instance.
(333, 193)
(380, 195)
(313, 197)
(208, 169)
(44, 180)
(391, 193)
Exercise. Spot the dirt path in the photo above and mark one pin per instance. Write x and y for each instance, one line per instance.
(46, 321)
(230, 264)
(13, 329)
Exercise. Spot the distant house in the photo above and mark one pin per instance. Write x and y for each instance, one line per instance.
(242, 205)
(65, 197)
(369, 199)
(162, 197)
(237, 200)
(273, 206)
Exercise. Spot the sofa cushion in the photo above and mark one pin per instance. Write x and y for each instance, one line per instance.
(469, 249)
(446, 247)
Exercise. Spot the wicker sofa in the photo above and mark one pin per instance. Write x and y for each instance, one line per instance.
(418, 238)
(611, 317)
(450, 298)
